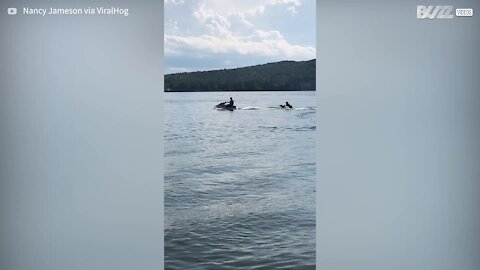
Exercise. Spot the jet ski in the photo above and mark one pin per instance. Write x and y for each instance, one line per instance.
(225, 106)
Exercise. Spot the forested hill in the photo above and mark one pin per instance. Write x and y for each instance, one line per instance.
(279, 76)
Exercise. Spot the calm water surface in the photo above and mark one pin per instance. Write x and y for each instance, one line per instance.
(240, 186)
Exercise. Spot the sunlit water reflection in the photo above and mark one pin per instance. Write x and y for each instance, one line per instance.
(240, 186)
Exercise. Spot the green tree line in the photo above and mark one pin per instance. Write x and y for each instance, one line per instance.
(278, 76)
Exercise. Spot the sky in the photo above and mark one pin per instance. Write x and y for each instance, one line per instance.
(217, 34)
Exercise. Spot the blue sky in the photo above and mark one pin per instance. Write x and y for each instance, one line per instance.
(217, 34)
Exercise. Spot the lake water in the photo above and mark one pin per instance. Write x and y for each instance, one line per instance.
(240, 186)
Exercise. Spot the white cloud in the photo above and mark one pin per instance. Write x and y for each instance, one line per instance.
(227, 29)
(170, 70)
(174, 2)
(293, 10)
(262, 44)
(247, 7)
(215, 22)
(276, 35)
(172, 26)
(217, 14)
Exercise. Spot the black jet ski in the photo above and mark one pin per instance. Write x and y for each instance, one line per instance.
(225, 106)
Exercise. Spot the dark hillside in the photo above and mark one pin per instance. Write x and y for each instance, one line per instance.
(279, 76)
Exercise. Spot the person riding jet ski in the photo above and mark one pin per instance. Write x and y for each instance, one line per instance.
(226, 105)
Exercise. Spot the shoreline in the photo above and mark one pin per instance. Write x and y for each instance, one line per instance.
(210, 91)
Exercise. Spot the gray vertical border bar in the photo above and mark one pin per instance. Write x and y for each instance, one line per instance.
(398, 149)
(81, 137)
(317, 131)
(162, 146)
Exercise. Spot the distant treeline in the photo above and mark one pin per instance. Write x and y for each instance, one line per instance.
(279, 76)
